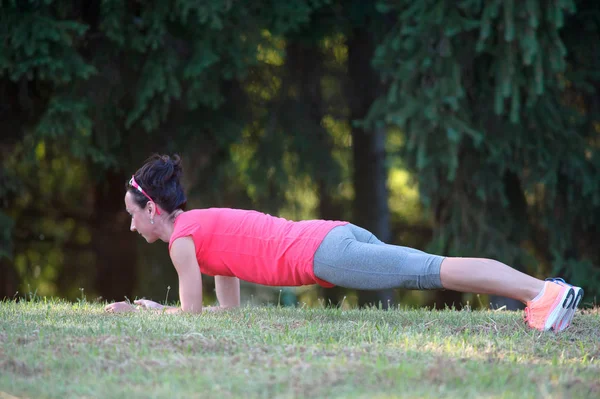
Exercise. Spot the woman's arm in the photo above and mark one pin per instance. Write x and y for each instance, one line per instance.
(228, 291)
(183, 255)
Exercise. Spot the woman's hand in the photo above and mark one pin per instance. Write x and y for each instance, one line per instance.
(148, 304)
(120, 307)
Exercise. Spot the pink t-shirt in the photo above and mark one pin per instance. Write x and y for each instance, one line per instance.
(254, 246)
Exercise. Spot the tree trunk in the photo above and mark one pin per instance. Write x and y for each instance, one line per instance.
(370, 202)
(306, 70)
(442, 298)
(8, 280)
(518, 208)
(113, 243)
(370, 208)
(328, 209)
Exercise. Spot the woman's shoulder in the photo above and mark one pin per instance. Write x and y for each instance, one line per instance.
(204, 215)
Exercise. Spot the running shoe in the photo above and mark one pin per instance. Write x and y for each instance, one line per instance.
(566, 321)
(547, 312)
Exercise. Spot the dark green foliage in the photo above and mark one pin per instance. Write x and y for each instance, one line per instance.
(504, 147)
(110, 82)
(497, 102)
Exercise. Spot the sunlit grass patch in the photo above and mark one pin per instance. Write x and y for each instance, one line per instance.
(56, 349)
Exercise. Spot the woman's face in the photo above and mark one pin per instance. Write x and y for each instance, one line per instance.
(140, 219)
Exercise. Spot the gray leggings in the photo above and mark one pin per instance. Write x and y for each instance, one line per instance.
(353, 257)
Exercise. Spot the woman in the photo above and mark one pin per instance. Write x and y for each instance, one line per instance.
(233, 244)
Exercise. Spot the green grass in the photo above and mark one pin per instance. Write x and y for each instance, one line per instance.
(57, 350)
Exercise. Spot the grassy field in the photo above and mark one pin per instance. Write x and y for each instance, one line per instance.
(60, 350)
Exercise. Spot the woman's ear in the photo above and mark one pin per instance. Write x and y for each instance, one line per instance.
(152, 209)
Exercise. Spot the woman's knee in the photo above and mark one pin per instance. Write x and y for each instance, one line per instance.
(364, 235)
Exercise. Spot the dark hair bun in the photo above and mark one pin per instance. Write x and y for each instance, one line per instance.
(160, 177)
(173, 168)
(163, 169)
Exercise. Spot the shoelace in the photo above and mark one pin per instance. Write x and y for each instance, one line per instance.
(528, 315)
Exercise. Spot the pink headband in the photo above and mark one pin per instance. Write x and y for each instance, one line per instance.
(134, 184)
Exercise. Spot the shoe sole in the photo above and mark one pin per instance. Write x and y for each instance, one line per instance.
(561, 307)
(566, 321)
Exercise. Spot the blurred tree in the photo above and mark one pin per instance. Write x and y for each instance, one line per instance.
(371, 209)
(110, 82)
(499, 123)
(575, 209)
(39, 58)
(299, 95)
(507, 161)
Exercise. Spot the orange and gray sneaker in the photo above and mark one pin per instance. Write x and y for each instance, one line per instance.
(547, 310)
(566, 321)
